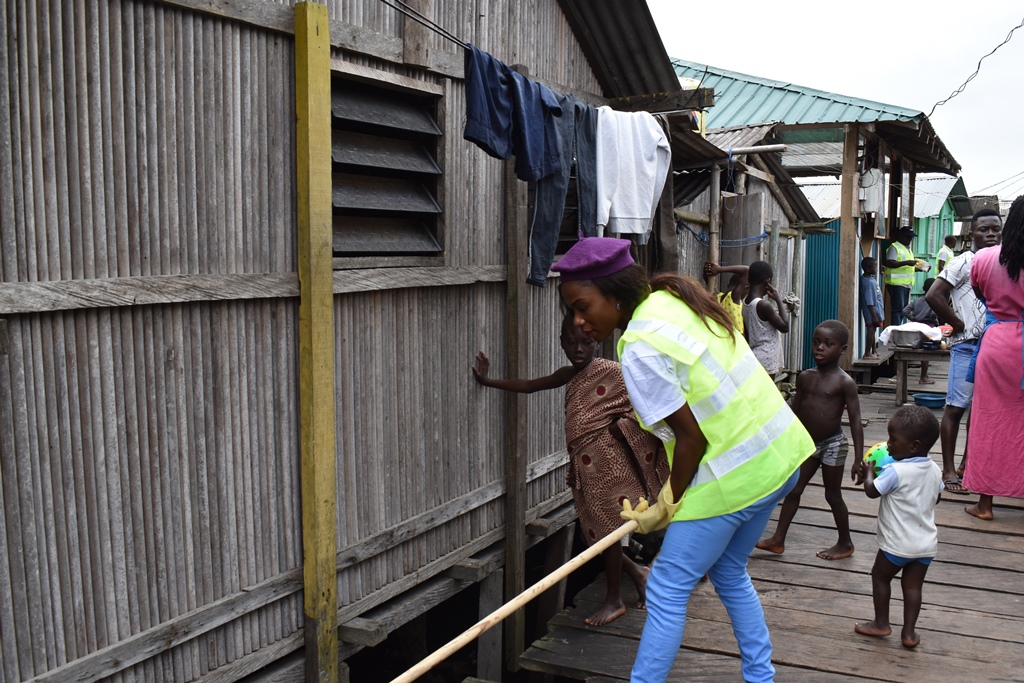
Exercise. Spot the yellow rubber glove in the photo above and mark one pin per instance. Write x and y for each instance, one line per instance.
(652, 517)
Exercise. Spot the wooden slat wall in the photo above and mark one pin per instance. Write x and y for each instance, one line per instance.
(149, 458)
(149, 484)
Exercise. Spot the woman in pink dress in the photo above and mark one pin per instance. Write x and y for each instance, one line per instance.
(996, 465)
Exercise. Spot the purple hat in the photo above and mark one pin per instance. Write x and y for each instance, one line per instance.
(594, 257)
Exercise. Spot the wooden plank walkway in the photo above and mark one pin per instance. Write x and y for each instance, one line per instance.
(971, 623)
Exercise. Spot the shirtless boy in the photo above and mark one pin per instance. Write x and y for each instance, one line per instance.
(822, 394)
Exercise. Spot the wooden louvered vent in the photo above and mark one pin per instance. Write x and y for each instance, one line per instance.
(385, 171)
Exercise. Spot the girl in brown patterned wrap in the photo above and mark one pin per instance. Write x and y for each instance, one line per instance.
(611, 458)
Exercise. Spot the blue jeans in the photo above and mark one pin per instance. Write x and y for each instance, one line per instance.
(576, 128)
(719, 546)
(899, 297)
(959, 391)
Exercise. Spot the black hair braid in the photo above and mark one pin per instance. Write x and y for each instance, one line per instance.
(1012, 253)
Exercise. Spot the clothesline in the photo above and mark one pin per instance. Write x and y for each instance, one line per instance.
(413, 14)
(704, 239)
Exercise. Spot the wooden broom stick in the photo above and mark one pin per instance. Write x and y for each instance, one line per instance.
(508, 608)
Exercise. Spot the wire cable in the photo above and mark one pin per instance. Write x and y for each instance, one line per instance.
(1000, 182)
(970, 78)
(413, 14)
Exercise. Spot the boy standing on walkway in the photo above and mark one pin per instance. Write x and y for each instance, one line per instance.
(871, 305)
(822, 394)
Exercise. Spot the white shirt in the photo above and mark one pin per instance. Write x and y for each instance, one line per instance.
(966, 304)
(656, 384)
(906, 512)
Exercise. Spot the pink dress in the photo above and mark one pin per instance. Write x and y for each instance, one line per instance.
(995, 465)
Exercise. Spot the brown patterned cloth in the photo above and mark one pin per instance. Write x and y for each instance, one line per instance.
(603, 470)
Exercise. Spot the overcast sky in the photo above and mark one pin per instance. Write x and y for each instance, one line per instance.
(909, 54)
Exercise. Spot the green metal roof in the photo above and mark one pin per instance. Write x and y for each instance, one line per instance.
(742, 100)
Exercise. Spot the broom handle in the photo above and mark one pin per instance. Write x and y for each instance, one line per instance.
(508, 608)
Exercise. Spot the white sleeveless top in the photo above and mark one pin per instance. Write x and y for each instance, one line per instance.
(764, 340)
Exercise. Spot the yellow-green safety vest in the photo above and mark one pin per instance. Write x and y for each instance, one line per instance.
(904, 275)
(755, 442)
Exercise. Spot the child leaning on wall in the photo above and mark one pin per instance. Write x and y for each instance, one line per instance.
(610, 456)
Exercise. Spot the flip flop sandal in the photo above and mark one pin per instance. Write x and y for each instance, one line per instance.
(955, 486)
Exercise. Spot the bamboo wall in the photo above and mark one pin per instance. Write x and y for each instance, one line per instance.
(149, 430)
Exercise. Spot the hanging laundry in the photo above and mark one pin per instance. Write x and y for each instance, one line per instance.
(508, 114)
(633, 161)
(576, 128)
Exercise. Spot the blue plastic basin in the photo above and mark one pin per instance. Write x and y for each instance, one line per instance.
(930, 400)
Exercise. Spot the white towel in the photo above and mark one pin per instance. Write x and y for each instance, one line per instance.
(633, 159)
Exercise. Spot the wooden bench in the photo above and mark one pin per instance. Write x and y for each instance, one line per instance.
(864, 366)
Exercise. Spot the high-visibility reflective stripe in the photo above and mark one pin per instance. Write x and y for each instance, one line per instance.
(744, 452)
(903, 275)
(728, 386)
(669, 332)
(717, 400)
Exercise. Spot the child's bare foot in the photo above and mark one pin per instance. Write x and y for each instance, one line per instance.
(641, 587)
(910, 639)
(926, 380)
(771, 545)
(606, 614)
(840, 551)
(870, 628)
(976, 511)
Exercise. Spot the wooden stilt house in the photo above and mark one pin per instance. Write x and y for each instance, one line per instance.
(246, 260)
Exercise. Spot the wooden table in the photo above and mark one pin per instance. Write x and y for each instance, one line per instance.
(903, 358)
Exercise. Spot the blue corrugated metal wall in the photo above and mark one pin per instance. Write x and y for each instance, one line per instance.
(821, 285)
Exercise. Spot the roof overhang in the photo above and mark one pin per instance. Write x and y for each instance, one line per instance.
(622, 45)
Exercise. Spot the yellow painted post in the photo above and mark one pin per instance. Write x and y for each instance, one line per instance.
(316, 339)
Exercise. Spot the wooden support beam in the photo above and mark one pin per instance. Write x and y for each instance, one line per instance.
(679, 100)
(776, 191)
(796, 286)
(415, 35)
(714, 224)
(365, 632)
(517, 344)
(895, 193)
(750, 169)
(545, 526)
(669, 253)
(488, 645)
(692, 217)
(849, 265)
(912, 182)
(316, 339)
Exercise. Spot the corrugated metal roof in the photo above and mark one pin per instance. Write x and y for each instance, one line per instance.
(623, 46)
(689, 149)
(740, 136)
(751, 136)
(742, 99)
(930, 192)
(824, 197)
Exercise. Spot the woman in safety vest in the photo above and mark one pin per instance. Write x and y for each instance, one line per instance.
(733, 443)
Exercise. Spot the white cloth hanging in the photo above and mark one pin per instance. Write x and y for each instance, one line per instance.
(633, 160)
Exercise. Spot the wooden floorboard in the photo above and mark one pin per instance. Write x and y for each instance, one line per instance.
(971, 622)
